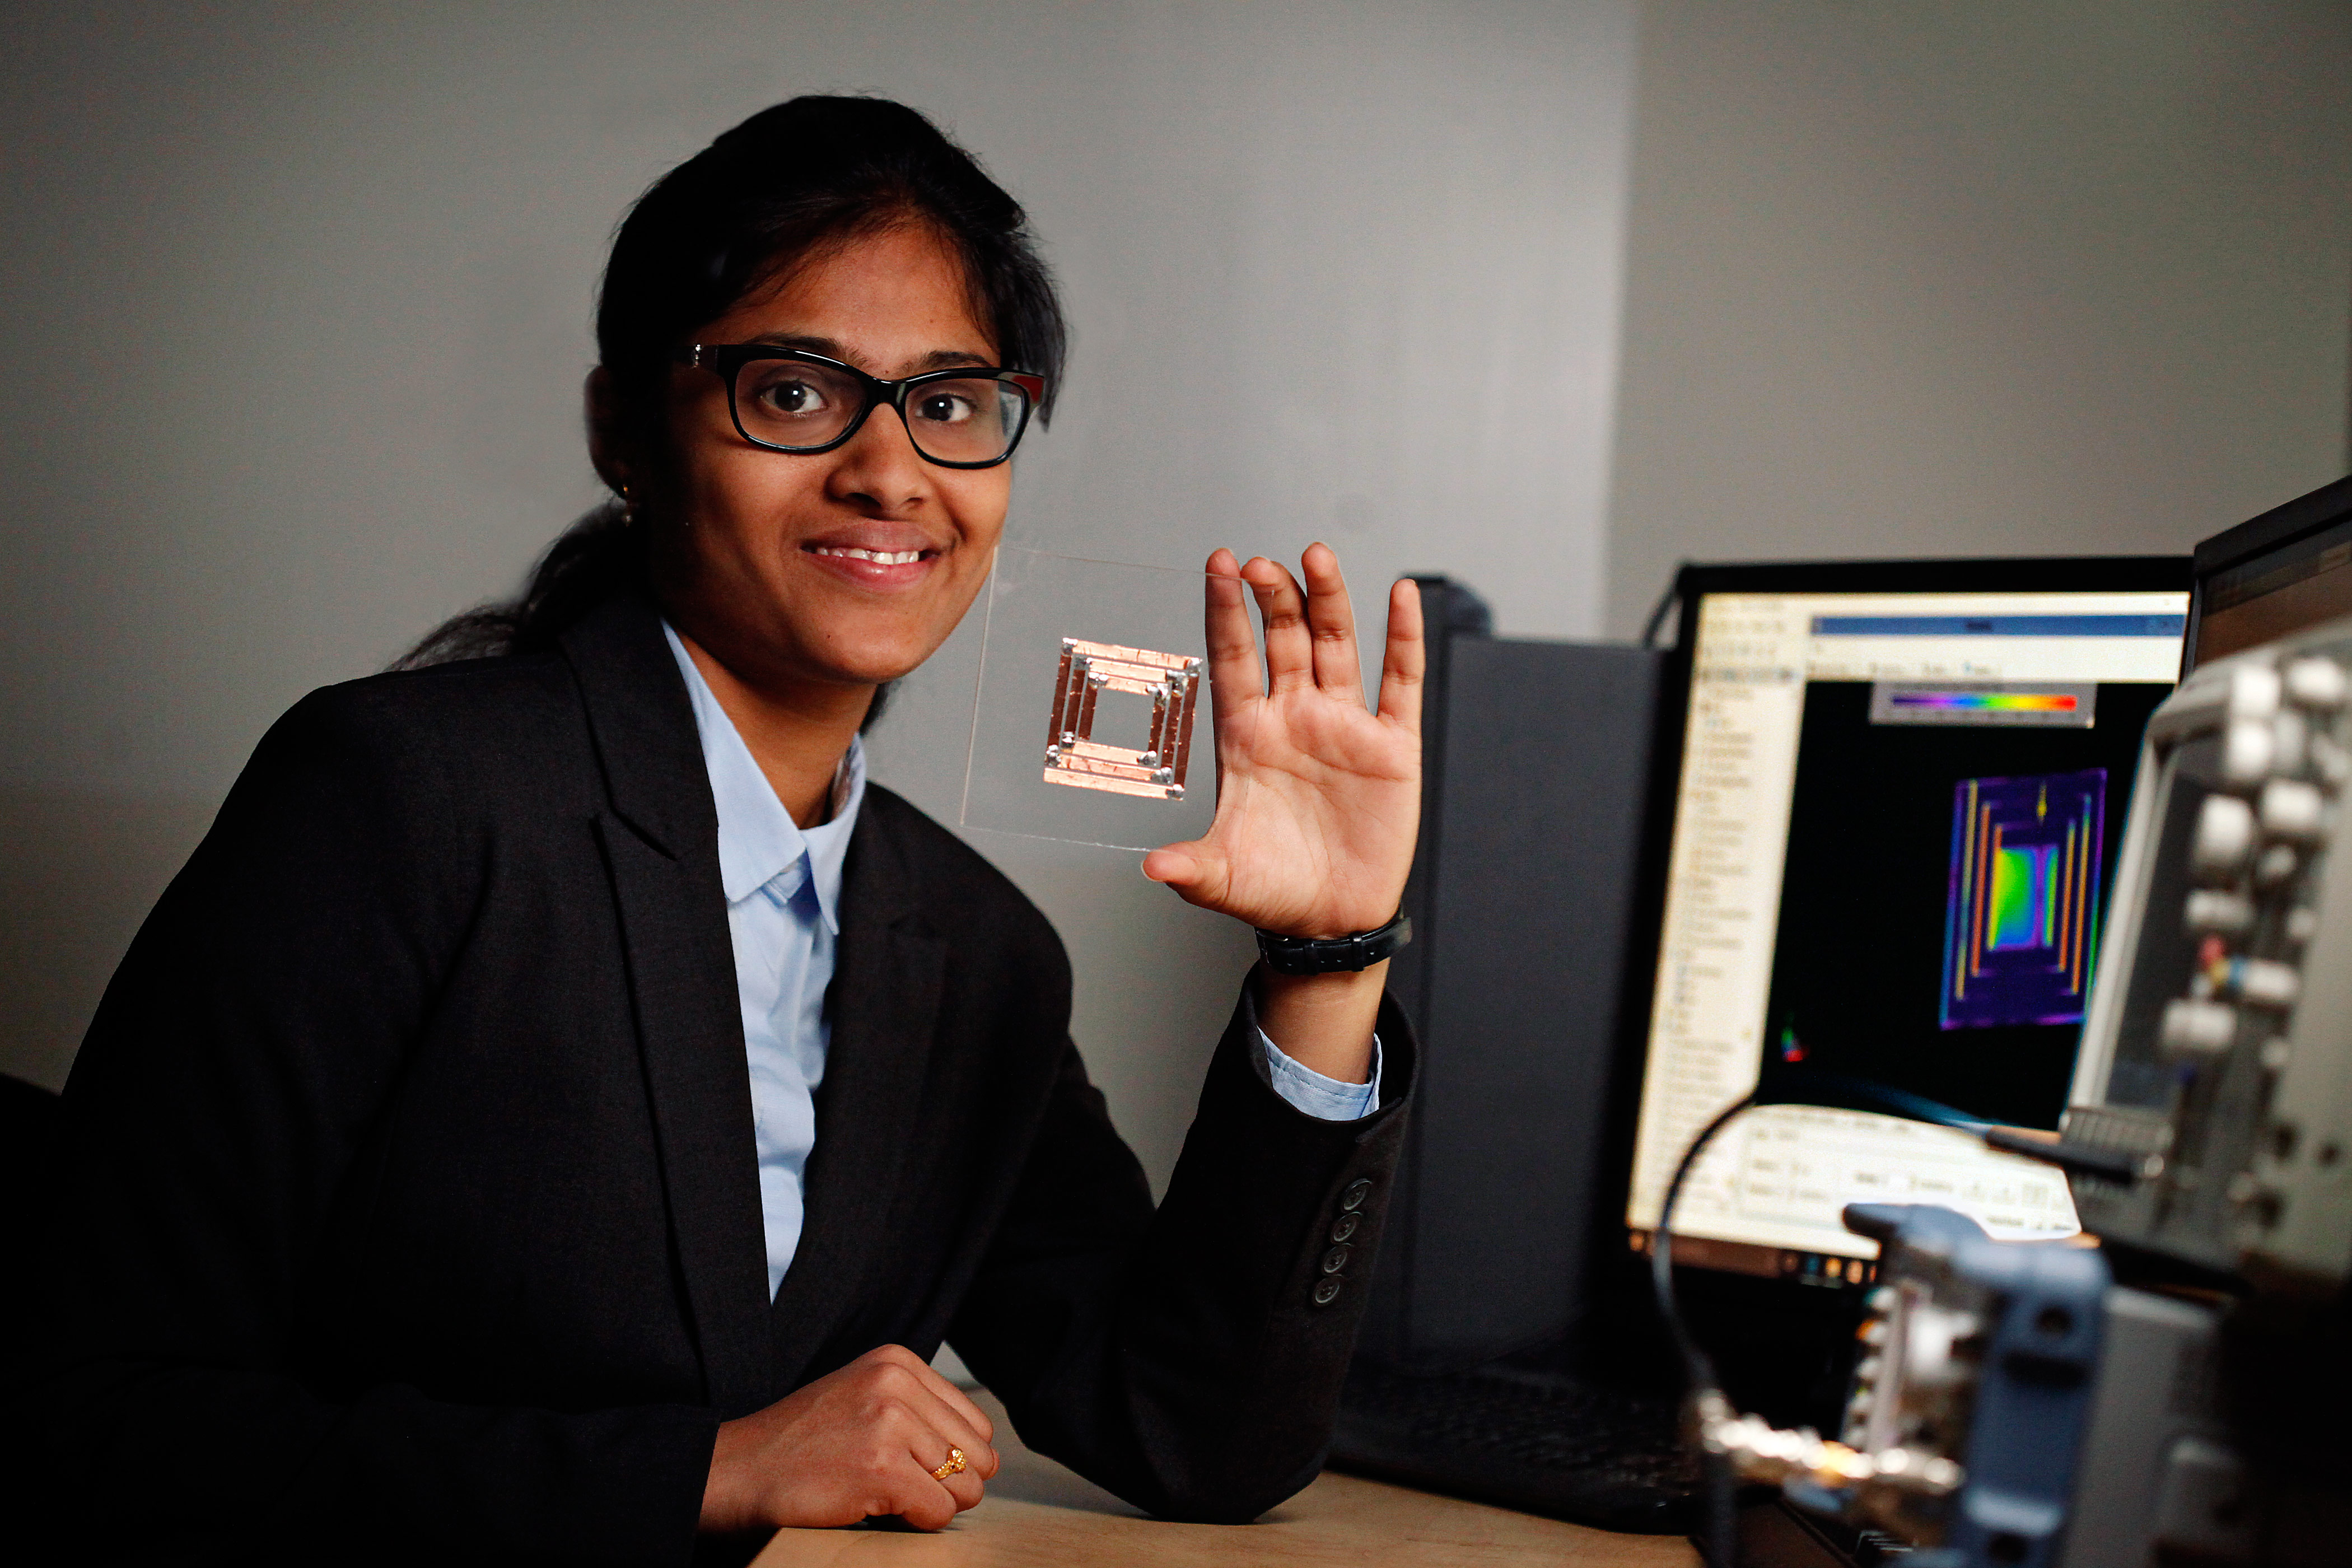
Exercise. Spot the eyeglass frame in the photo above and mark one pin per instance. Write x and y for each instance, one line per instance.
(726, 361)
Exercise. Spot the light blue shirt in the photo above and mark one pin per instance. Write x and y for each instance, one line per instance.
(783, 913)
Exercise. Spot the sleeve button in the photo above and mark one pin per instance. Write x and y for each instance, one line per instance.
(1358, 1191)
(1336, 1260)
(1326, 1290)
(1345, 1227)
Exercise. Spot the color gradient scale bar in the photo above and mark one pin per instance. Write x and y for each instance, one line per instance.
(1992, 702)
(2030, 704)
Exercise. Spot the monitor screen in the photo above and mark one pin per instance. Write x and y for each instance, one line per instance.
(1895, 825)
(2285, 570)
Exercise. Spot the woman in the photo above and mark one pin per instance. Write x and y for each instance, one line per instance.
(562, 1106)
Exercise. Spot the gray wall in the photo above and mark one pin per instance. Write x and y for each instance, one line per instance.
(1976, 276)
(297, 299)
(296, 319)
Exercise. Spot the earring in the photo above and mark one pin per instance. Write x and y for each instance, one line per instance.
(628, 506)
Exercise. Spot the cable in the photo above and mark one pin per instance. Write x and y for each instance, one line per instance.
(1716, 1537)
(1696, 1367)
(1667, 600)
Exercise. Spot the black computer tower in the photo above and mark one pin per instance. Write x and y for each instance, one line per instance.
(1535, 765)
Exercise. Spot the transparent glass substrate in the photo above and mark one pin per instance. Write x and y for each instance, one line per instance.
(1093, 720)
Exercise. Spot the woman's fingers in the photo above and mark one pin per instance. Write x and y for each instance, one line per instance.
(1289, 649)
(935, 1421)
(1174, 864)
(1194, 870)
(961, 1489)
(937, 1383)
(932, 1437)
(1234, 674)
(952, 1430)
(945, 1416)
(1406, 659)
(926, 1504)
(1310, 632)
(1331, 623)
(865, 1439)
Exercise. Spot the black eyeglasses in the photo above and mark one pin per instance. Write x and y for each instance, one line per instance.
(789, 400)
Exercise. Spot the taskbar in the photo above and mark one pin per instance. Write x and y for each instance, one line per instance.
(1828, 1270)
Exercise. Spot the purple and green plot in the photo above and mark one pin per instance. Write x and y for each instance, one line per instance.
(2025, 897)
(2021, 923)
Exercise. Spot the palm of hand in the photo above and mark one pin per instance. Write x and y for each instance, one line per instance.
(1319, 800)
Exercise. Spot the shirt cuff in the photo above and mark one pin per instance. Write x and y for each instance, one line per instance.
(1324, 1098)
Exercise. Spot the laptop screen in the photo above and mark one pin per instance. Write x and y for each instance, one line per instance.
(1894, 828)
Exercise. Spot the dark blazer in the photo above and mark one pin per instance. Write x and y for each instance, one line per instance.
(410, 1199)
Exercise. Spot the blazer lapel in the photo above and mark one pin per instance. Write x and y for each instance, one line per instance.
(887, 976)
(660, 843)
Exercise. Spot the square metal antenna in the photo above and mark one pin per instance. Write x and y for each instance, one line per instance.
(1088, 670)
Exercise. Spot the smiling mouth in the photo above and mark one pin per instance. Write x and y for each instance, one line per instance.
(879, 557)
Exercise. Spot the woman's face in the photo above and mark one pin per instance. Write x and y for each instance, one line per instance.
(848, 567)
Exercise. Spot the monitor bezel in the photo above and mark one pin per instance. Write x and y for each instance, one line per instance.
(1693, 583)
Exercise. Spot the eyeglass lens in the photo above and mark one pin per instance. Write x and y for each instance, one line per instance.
(792, 403)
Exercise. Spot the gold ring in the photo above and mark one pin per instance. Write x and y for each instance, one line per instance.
(954, 1466)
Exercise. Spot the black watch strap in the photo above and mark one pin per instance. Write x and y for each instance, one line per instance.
(1333, 955)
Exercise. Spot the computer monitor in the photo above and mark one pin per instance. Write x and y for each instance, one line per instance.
(2276, 574)
(1890, 800)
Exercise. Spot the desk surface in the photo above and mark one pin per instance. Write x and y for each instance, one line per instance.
(1040, 1515)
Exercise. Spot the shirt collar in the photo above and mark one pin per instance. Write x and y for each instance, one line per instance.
(758, 840)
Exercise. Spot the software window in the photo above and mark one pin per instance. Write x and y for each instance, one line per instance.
(1896, 816)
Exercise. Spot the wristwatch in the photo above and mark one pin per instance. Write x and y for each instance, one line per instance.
(1333, 955)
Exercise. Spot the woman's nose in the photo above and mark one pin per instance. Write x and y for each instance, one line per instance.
(879, 467)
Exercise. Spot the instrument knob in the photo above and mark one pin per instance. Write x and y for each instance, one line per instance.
(2197, 1028)
(2293, 811)
(2266, 984)
(2248, 747)
(2224, 840)
(2275, 867)
(2253, 692)
(2315, 683)
(2223, 914)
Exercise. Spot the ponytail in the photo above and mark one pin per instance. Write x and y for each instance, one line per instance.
(590, 562)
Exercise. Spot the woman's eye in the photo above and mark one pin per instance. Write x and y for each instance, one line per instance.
(789, 396)
(945, 408)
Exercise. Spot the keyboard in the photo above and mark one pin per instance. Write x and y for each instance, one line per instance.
(1543, 1441)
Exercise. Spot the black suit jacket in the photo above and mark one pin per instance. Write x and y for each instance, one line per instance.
(412, 1201)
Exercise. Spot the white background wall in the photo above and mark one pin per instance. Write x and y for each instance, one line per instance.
(1978, 277)
(295, 316)
(296, 305)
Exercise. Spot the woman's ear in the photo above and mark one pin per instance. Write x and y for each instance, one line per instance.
(605, 446)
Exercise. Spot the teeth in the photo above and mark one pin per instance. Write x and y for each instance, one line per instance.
(882, 557)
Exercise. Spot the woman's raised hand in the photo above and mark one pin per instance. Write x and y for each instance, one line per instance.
(1319, 800)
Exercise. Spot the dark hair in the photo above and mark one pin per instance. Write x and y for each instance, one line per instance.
(774, 191)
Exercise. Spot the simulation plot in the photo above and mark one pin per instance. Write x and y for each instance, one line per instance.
(2021, 921)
